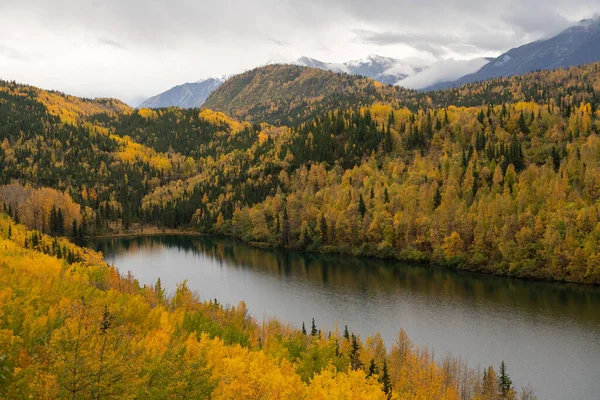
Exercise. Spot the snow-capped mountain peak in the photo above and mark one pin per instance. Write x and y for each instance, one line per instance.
(380, 68)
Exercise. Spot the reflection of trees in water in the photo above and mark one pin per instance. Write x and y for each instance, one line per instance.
(579, 302)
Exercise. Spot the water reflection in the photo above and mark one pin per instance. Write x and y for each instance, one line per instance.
(548, 333)
(339, 273)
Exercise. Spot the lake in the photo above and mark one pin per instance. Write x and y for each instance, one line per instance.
(547, 333)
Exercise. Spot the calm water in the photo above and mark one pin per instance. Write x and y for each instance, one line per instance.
(548, 334)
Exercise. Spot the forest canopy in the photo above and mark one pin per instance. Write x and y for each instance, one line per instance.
(501, 176)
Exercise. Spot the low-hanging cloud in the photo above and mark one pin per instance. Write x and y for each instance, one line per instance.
(442, 71)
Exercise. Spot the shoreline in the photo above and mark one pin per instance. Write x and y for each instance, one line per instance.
(266, 246)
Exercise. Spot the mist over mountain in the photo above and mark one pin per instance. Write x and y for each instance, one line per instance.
(576, 45)
(386, 70)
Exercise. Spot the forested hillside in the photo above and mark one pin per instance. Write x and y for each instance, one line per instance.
(508, 187)
(288, 94)
(52, 140)
(501, 176)
(72, 326)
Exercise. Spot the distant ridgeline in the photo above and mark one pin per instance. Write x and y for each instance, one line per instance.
(500, 176)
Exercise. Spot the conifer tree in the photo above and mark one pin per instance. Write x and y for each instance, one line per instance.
(372, 368)
(504, 381)
(323, 228)
(385, 380)
(362, 208)
(355, 362)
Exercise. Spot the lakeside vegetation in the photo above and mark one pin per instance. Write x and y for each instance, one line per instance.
(72, 326)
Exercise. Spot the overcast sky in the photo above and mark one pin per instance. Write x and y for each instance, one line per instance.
(132, 49)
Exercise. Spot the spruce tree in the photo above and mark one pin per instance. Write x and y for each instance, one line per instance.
(372, 368)
(504, 381)
(355, 362)
(362, 208)
(437, 198)
(323, 228)
(522, 124)
(385, 380)
(313, 329)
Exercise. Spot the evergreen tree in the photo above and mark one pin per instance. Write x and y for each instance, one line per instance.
(53, 220)
(437, 198)
(74, 229)
(303, 328)
(522, 124)
(355, 362)
(504, 381)
(372, 368)
(555, 158)
(362, 208)
(323, 228)
(386, 381)
(313, 329)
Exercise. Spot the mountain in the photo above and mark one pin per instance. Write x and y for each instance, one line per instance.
(287, 94)
(383, 69)
(577, 45)
(188, 95)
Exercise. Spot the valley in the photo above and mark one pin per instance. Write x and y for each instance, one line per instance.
(462, 216)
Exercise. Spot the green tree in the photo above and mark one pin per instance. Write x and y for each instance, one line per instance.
(372, 368)
(355, 362)
(362, 208)
(386, 381)
(504, 381)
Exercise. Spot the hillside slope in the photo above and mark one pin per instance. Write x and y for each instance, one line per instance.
(500, 176)
(288, 94)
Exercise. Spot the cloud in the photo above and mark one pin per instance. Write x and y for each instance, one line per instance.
(12, 53)
(140, 47)
(442, 71)
(430, 42)
(111, 43)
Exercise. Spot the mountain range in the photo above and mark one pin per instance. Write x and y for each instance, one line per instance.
(386, 70)
(576, 45)
(383, 69)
